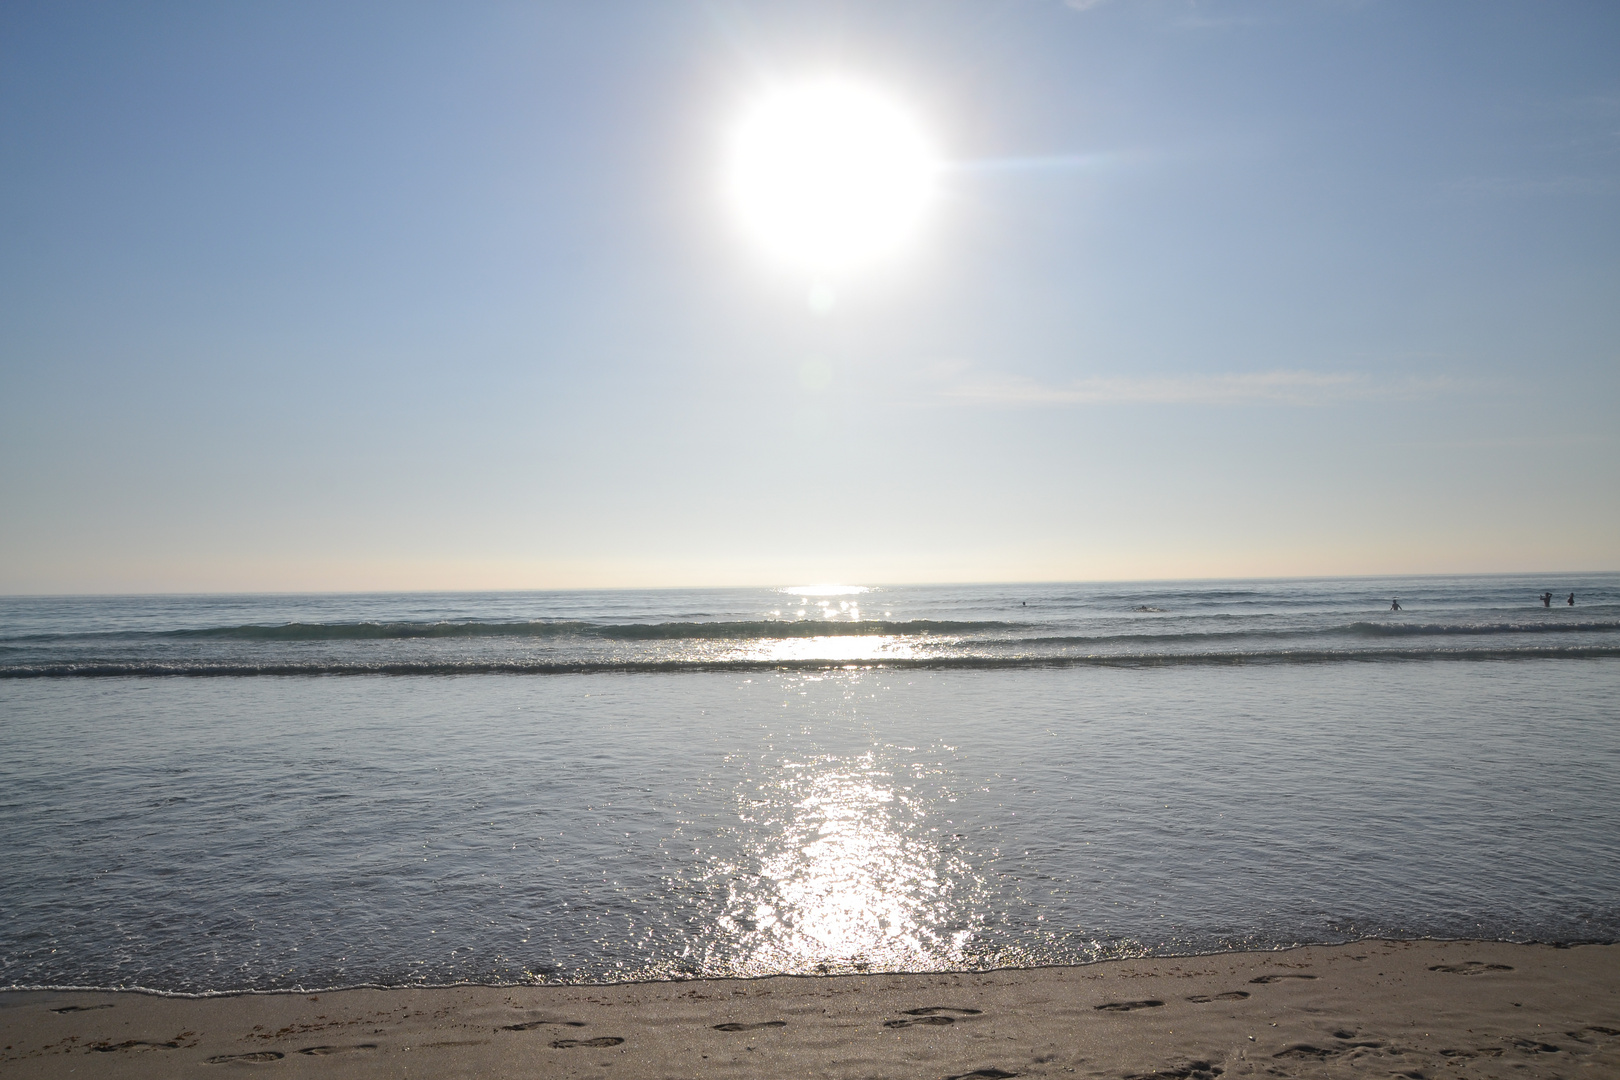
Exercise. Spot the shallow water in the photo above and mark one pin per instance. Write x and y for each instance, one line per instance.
(191, 834)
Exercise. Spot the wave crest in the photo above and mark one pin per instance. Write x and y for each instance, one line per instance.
(724, 631)
(151, 668)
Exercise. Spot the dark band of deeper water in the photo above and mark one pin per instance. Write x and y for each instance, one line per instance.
(665, 667)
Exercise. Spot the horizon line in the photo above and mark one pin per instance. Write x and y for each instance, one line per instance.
(1408, 575)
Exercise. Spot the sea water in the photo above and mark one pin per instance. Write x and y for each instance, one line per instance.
(223, 793)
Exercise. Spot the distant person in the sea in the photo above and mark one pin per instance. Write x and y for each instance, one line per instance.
(1546, 599)
(1571, 599)
(1395, 604)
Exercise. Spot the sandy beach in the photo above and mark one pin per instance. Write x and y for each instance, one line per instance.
(1414, 1009)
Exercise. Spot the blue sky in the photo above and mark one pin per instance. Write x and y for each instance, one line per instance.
(392, 296)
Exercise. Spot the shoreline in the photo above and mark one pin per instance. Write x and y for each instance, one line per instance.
(1281, 950)
(1413, 1007)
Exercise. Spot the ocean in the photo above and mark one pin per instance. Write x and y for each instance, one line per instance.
(207, 794)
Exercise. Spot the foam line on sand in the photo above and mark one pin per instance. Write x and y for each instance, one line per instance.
(1374, 1008)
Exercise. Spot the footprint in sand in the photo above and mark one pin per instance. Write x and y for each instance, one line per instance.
(1192, 1070)
(322, 1051)
(751, 1027)
(596, 1044)
(532, 1024)
(1471, 967)
(452, 1042)
(1534, 1046)
(1263, 979)
(920, 1021)
(1230, 995)
(80, 1008)
(256, 1057)
(931, 1016)
(1128, 1006)
(135, 1044)
(1304, 1051)
(984, 1074)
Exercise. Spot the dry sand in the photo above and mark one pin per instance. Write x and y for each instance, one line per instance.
(1414, 1009)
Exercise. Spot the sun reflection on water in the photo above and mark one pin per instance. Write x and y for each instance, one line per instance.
(845, 874)
(825, 590)
(849, 648)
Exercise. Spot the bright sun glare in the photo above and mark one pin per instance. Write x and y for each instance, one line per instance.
(827, 175)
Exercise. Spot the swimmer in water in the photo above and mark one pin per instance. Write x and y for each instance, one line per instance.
(1571, 599)
(1395, 605)
(1546, 599)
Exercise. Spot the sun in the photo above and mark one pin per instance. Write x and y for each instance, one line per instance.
(829, 175)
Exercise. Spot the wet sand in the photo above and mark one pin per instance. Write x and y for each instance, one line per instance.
(1413, 1009)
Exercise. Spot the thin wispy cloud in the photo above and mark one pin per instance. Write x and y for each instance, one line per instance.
(1261, 387)
(1529, 186)
(1197, 16)
(1036, 163)
(1201, 17)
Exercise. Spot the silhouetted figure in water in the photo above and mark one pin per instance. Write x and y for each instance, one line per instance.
(1571, 599)
(1546, 599)
(1395, 605)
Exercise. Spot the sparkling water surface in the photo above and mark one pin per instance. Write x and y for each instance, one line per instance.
(764, 629)
(315, 830)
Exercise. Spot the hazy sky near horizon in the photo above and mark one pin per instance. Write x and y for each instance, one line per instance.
(431, 296)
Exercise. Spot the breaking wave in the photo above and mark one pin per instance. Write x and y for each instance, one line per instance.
(776, 629)
(401, 631)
